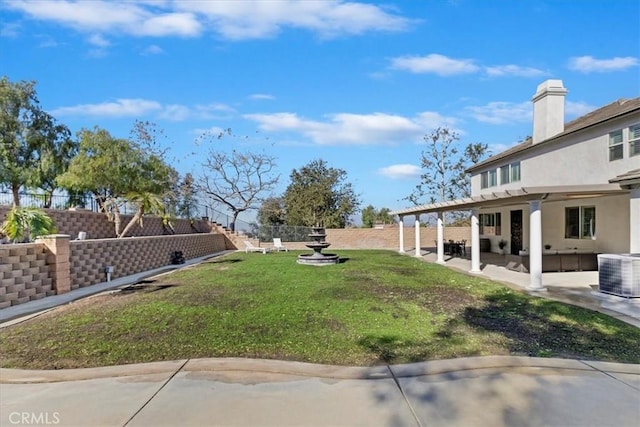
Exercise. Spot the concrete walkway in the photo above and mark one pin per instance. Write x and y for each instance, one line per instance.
(480, 391)
(24, 311)
(484, 391)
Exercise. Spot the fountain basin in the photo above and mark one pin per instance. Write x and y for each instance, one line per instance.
(318, 259)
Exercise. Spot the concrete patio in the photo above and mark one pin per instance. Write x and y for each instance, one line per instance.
(574, 287)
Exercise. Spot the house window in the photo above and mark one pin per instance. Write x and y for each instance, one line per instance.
(490, 224)
(509, 173)
(580, 222)
(634, 140)
(493, 178)
(615, 145)
(505, 175)
(515, 172)
(489, 179)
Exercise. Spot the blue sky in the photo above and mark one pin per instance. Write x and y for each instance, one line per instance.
(356, 83)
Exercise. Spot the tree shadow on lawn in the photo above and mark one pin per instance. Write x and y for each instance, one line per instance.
(543, 328)
(144, 286)
(507, 322)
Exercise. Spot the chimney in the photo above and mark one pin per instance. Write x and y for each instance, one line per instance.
(548, 110)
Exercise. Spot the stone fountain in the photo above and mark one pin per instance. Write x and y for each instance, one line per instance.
(318, 244)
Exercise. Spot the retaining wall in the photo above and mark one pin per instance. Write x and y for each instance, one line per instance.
(24, 274)
(88, 258)
(98, 226)
(55, 264)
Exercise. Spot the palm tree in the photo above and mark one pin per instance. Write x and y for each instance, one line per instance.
(24, 224)
(145, 202)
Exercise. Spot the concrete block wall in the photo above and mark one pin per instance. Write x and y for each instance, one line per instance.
(98, 226)
(382, 238)
(24, 274)
(88, 258)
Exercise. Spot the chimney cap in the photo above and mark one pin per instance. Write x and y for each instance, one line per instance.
(550, 87)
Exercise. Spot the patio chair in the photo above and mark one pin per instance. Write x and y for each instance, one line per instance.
(278, 246)
(250, 248)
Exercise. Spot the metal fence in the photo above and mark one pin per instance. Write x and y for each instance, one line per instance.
(288, 233)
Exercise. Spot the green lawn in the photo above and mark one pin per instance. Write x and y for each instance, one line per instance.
(374, 307)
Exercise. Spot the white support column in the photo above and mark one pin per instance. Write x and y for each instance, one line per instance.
(634, 221)
(418, 254)
(475, 243)
(440, 243)
(535, 246)
(401, 237)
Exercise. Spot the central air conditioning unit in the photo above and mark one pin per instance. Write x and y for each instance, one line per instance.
(619, 274)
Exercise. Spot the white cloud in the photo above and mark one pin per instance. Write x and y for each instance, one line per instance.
(175, 113)
(144, 107)
(259, 96)
(435, 64)
(212, 111)
(152, 50)
(328, 18)
(170, 24)
(589, 64)
(98, 40)
(118, 108)
(402, 171)
(353, 129)
(502, 112)
(10, 29)
(499, 113)
(432, 120)
(513, 70)
(577, 109)
(47, 41)
(233, 20)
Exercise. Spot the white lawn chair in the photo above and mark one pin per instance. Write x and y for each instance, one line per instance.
(278, 246)
(250, 248)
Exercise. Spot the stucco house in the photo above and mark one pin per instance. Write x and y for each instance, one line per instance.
(574, 186)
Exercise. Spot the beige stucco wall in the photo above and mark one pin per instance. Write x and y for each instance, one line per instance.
(578, 159)
(612, 224)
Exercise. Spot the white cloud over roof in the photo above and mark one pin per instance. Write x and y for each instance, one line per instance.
(501, 112)
(589, 64)
(445, 66)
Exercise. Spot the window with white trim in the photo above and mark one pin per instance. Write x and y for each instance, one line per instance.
(634, 140)
(515, 171)
(490, 224)
(616, 147)
(580, 222)
(493, 178)
(510, 173)
(505, 175)
(489, 178)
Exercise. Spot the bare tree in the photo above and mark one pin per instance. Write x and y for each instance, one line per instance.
(237, 180)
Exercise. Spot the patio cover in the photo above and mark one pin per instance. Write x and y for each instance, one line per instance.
(531, 195)
(515, 197)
